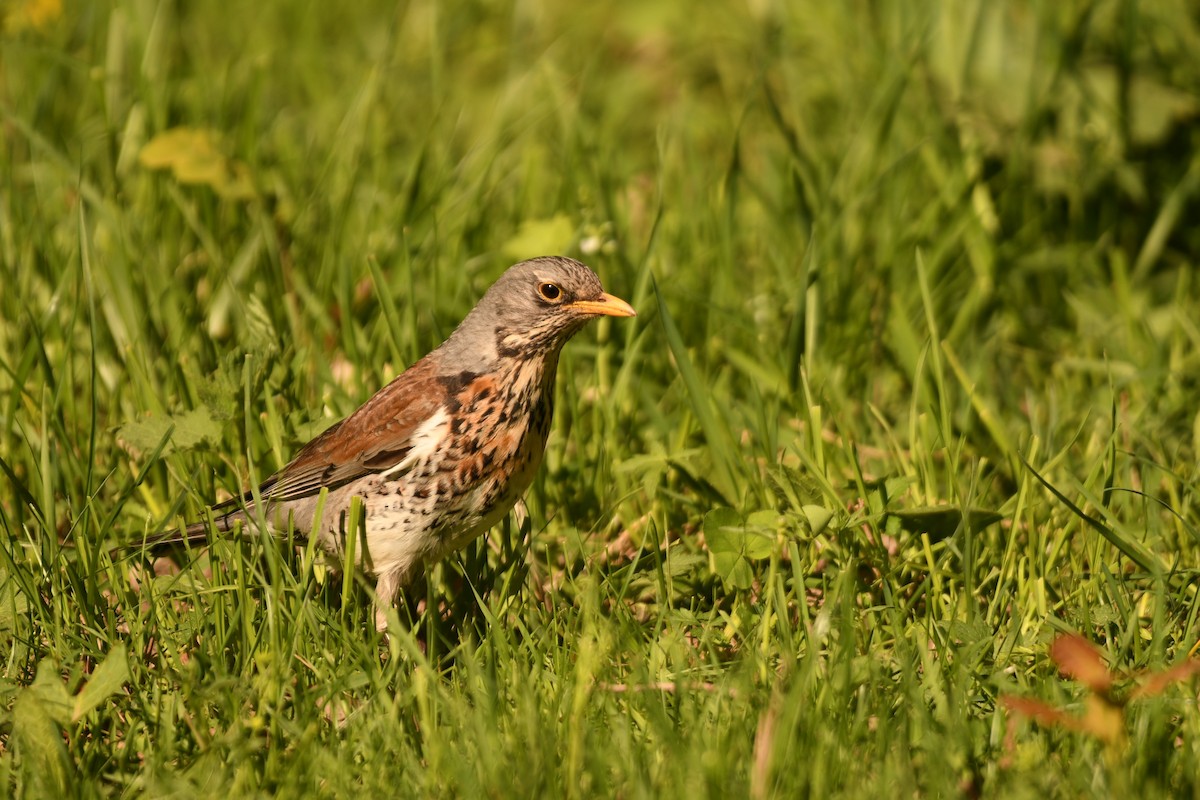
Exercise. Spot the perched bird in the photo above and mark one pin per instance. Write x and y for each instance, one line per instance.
(441, 453)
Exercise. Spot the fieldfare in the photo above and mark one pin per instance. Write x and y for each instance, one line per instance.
(441, 453)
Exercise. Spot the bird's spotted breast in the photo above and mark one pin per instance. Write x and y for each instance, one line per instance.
(468, 464)
(499, 452)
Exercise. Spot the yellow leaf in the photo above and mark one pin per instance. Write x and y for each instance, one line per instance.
(33, 15)
(1104, 720)
(194, 157)
(180, 147)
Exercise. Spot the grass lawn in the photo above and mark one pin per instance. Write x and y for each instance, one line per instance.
(913, 392)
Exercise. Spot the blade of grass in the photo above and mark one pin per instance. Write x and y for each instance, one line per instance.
(1133, 549)
(716, 431)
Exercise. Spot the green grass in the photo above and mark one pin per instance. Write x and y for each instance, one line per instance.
(898, 265)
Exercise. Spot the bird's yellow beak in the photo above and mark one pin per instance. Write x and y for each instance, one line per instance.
(607, 305)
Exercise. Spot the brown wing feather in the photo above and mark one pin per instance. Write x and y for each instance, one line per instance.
(371, 439)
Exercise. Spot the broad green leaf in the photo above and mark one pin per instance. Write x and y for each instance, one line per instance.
(760, 529)
(717, 523)
(51, 694)
(733, 544)
(13, 603)
(721, 526)
(682, 564)
(39, 714)
(39, 741)
(940, 522)
(190, 429)
(541, 237)
(818, 518)
(733, 570)
(106, 680)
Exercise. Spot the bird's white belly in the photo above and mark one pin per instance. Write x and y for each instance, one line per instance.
(406, 531)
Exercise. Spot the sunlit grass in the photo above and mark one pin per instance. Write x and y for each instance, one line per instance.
(912, 390)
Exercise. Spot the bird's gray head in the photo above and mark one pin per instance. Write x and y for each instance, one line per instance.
(531, 311)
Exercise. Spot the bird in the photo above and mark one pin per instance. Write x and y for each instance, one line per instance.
(441, 453)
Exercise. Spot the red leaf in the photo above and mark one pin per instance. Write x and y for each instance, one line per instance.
(1039, 712)
(1080, 659)
(1157, 682)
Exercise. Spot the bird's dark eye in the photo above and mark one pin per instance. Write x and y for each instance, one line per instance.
(550, 291)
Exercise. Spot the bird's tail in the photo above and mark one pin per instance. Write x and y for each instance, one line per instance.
(197, 532)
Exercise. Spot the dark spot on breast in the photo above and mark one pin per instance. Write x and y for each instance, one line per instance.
(507, 350)
(458, 381)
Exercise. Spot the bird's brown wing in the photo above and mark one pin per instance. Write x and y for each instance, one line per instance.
(372, 439)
